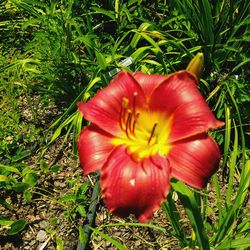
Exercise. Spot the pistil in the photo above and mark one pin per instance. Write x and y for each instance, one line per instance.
(128, 124)
(152, 133)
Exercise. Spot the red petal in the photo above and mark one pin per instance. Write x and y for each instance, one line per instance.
(192, 118)
(148, 82)
(104, 108)
(94, 148)
(179, 97)
(134, 187)
(194, 160)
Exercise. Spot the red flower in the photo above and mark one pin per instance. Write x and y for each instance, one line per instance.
(144, 129)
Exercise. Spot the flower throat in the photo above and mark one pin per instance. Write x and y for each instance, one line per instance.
(144, 132)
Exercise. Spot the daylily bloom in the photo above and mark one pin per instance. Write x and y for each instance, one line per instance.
(143, 130)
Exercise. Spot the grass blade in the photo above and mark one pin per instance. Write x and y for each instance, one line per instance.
(174, 218)
(232, 166)
(189, 202)
(108, 238)
(237, 243)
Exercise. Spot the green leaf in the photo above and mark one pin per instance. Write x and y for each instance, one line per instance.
(59, 243)
(101, 60)
(217, 190)
(27, 196)
(173, 216)
(83, 237)
(228, 121)
(9, 168)
(20, 187)
(5, 222)
(232, 213)
(83, 188)
(109, 239)
(53, 221)
(81, 210)
(136, 224)
(104, 12)
(16, 227)
(68, 197)
(5, 204)
(55, 168)
(31, 179)
(232, 166)
(44, 166)
(236, 243)
(189, 202)
(3, 178)
(137, 36)
(150, 40)
(20, 155)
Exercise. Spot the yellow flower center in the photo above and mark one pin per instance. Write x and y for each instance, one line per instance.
(145, 133)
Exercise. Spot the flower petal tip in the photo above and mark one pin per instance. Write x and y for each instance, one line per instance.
(127, 193)
(220, 124)
(144, 219)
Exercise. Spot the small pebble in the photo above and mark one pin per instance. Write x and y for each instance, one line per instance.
(41, 236)
(33, 242)
(43, 224)
(59, 184)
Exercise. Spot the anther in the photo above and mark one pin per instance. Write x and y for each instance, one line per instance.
(152, 133)
(125, 102)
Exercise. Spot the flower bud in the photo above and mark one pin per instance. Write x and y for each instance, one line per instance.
(196, 65)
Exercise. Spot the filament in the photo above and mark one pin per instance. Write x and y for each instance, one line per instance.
(128, 123)
(134, 123)
(123, 112)
(134, 103)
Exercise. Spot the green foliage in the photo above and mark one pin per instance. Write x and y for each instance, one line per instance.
(63, 51)
(114, 242)
(75, 201)
(16, 227)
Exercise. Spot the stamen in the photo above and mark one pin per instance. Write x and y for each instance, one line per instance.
(135, 121)
(120, 118)
(152, 133)
(128, 124)
(123, 112)
(125, 102)
(135, 94)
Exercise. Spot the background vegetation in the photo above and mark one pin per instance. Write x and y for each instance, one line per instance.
(55, 53)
